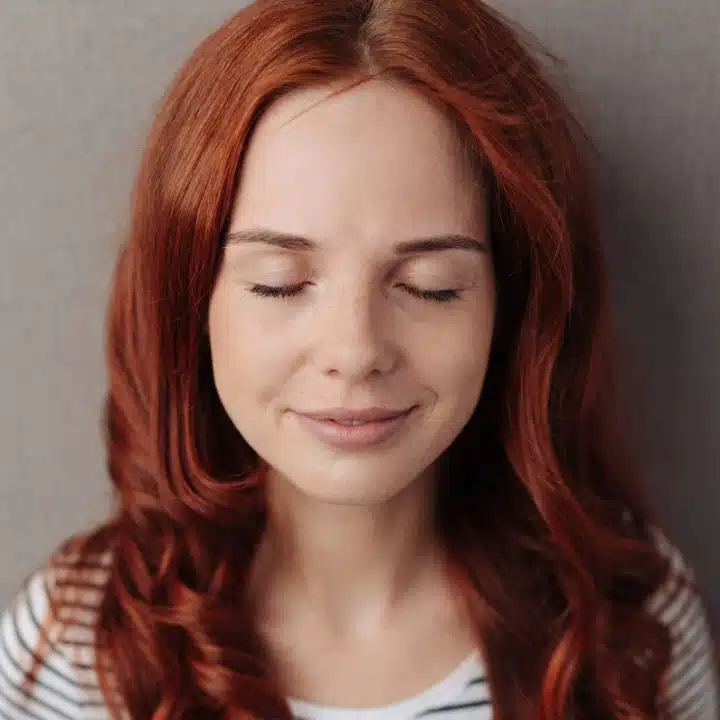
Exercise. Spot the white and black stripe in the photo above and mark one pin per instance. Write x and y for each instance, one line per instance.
(66, 685)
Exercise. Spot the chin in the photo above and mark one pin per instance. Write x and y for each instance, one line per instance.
(347, 498)
(352, 488)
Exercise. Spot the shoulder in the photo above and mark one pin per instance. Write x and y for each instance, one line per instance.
(691, 691)
(47, 667)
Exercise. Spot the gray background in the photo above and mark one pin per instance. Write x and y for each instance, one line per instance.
(79, 81)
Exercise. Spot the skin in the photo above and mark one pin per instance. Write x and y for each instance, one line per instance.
(348, 578)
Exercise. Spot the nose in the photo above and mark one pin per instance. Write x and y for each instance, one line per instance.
(354, 336)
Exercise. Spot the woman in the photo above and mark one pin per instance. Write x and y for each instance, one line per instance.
(361, 420)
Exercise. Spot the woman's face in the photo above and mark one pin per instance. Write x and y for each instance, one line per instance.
(329, 198)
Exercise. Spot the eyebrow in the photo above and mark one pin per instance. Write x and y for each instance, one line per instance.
(289, 241)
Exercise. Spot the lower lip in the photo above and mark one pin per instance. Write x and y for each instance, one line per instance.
(350, 437)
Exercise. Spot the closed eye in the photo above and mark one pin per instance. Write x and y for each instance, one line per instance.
(435, 295)
(277, 292)
(288, 291)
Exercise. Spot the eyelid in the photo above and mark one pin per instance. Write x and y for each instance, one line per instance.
(288, 292)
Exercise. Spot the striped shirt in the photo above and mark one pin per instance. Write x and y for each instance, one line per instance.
(66, 686)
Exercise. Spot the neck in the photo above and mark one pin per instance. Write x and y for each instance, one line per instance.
(346, 569)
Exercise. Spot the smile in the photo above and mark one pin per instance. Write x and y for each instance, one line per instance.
(354, 433)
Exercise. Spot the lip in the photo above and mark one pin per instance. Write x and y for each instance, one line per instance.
(348, 437)
(365, 414)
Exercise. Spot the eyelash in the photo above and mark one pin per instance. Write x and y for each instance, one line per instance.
(289, 291)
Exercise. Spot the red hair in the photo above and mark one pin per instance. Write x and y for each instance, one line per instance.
(546, 528)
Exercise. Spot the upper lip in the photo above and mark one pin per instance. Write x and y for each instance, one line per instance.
(366, 414)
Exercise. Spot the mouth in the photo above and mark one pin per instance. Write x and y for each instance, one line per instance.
(355, 432)
(350, 416)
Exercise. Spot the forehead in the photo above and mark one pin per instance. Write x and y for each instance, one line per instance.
(368, 163)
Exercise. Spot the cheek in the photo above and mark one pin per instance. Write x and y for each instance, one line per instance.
(229, 344)
(246, 359)
(458, 368)
(225, 330)
(455, 368)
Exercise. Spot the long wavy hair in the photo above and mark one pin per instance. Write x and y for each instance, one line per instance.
(547, 531)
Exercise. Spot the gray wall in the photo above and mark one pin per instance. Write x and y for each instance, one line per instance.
(79, 80)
